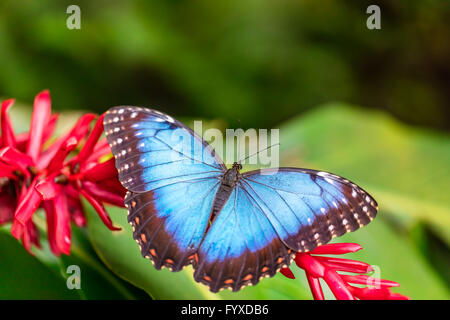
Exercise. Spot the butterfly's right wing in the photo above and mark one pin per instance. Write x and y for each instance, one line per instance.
(306, 207)
(272, 213)
(172, 176)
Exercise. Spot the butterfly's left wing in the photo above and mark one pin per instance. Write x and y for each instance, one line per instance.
(308, 208)
(171, 175)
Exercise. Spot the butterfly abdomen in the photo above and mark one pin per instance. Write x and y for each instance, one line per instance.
(228, 182)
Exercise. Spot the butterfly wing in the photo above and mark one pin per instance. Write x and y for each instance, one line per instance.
(152, 149)
(270, 215)
(172, 176)
(169, 223)
(241, 246)
(308, 208)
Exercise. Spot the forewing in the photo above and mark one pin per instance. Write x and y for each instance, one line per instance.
(152, 149)
(308, 208)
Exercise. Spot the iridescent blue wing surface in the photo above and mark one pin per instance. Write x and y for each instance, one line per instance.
(152, 149)
(308, 208)
(273, 213)
(241, 246)
(172, 176)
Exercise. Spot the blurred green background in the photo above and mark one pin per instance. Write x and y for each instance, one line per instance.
(371, 105)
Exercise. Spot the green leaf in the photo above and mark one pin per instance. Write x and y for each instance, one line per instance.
(120, 252)
(405, 169)
(395, 258)
(96, 280)
(22, 276)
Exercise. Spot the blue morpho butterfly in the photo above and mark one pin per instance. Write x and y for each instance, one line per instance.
(186, 207)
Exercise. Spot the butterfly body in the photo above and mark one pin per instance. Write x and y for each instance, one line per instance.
(186, 207)
(227, 184)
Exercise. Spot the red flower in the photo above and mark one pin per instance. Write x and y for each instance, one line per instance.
(33, 177)
(318, 267)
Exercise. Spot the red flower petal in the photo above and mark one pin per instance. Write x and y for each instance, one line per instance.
(398, 296)
(367, 280)
(102, 194)
(345, 264)
(50, 127)
(29, 235)
(75, 205)
(337, 285)
(71, 191)
(337, 248)
(7, 206)
(33, 233)
(310, 264)
(58, 160)
(287, 273)
(7, 171)
(370, 293)
(62, 224)
(95, 134)
(17, 159)
(79, 130)
(316, 288)
(101, 149)
(76, 211)
(100, 210)
(51, 232)
(48, 154)
(26, 241)
(326, 268)
(22, 141)
(28, 204)
(101, 171)
(48, 189)
(8, 138)
(39, 121)
(17, 229)
(114, 185)
(22, 160)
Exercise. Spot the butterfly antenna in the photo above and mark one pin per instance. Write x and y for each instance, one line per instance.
(273, 145)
